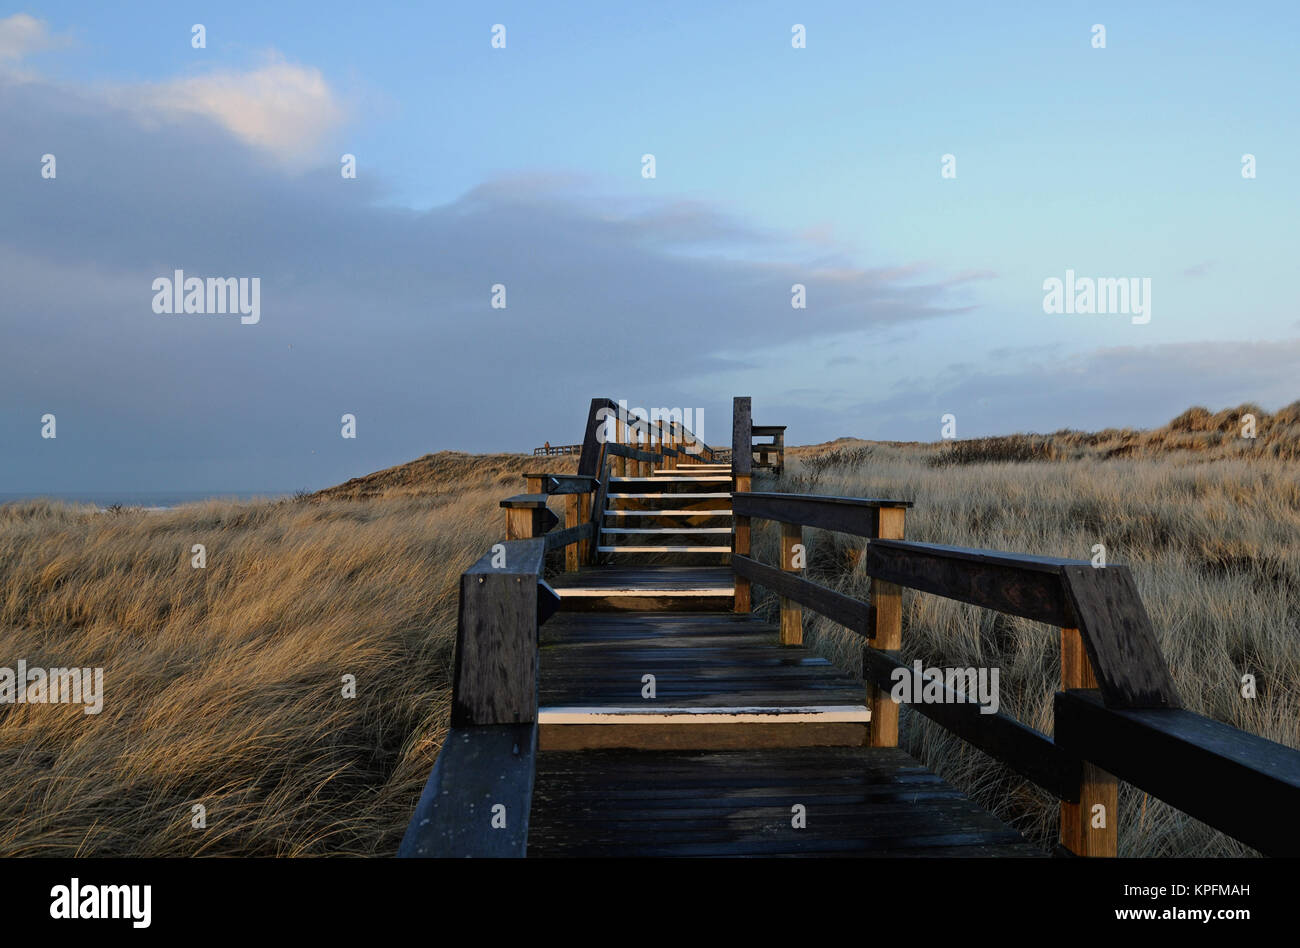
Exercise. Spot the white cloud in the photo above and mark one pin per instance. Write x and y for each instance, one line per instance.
(282, 108)
(21, 35)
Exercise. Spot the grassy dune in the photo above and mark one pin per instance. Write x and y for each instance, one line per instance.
(1208, 521)
(223, 686)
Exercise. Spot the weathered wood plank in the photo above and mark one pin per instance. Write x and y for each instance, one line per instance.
(562, 483)
(1027, 586)
(589, 462)
(1130, 668)
(858, 516)
(742, 439)
(569, 535)
(1083, 830)
(495, 675)
(478, 768)
(851, 613)
(1237, 782)
(734, 803)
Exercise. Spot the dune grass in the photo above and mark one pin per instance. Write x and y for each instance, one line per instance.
(223, 686)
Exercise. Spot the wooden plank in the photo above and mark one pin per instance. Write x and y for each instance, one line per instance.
(570, 535)
(560, 483)
(1023, 749)
(734, 803)
(887, 632)
(792, 549)
(495, 675)
(1083, 830)
(1237, 782)
(573, 518)
(525, 502)
(851, 613)
(859, 516)
(1130, 668)
(697, 736)
(654, 577)
(596, 510)
(478, 769)
(548, 601)
(740, 544)
(1027, 586)
(589, 461)
(741, 437)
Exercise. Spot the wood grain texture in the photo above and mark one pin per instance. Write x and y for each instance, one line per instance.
(857, 802)
(477, 769)
(589, 462)
(495, 676)
(851, 613)
(858, 516)
(791, 611)
(741, 436)
(887, 635)
(1237, 782)
(699, 660)
(1130, 668)
(1027, 586)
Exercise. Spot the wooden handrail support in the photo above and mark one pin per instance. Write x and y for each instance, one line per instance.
(575, 539)
(478, 797)
(741, 482)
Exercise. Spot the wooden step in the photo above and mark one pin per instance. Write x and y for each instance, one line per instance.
(658, 495)
(610, 512)
(670, 479)
(688, 530)
(700, 468)
(653, 588)
(664, 549)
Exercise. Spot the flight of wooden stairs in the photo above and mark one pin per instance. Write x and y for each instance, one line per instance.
(677, 516)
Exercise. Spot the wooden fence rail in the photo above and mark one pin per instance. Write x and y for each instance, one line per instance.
(1117, 708)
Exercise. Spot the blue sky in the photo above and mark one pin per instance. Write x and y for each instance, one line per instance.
(522, 165)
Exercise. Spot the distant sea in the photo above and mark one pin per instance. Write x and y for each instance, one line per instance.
(158, 500)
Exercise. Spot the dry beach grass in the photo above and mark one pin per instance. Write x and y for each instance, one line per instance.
(223, 686)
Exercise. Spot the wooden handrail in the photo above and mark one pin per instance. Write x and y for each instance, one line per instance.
(1192, 762)
(1131, 723)
(478, 797)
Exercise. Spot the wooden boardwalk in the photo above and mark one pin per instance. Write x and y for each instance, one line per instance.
(621, 698)
(745, 747)
(857, 802)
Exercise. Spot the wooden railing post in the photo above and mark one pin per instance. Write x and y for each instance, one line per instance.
(741, 475)
(1091, 826)
(621, 437)
(791, 611)
(573, 504)
(524, 523)
(887, 608)
(488, 761)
